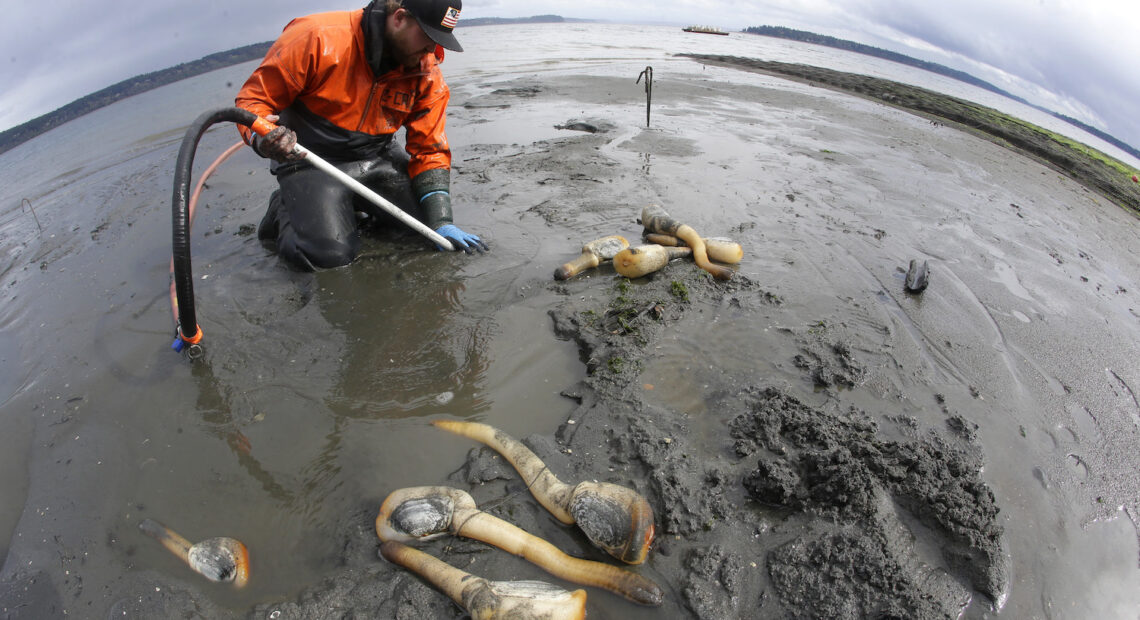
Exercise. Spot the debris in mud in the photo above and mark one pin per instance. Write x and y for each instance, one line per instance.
(965, 429)
(578, 126)
(917, 276)
(518, 91)
(95, 234)
(679, 290)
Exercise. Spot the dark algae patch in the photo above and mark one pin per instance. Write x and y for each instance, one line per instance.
(1095, 170)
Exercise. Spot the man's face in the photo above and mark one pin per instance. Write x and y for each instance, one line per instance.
(408, 41)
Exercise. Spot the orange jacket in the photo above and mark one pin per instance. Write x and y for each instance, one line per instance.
(318, 77)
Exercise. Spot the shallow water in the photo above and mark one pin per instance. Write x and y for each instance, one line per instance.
(312, 399)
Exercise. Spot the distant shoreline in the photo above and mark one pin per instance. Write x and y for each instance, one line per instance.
(11, 138)
(19, 134)
(1097, 171)
(780, 32)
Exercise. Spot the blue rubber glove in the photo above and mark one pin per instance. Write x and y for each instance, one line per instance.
(461, 240)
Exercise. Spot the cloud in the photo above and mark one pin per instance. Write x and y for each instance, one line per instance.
(1077, 58)
(56, 52)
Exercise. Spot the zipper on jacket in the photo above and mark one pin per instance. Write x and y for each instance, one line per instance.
(367, 105)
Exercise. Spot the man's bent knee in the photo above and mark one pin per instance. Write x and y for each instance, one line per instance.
(326, 253)
(311, 254)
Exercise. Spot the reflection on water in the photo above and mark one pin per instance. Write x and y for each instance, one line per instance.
(217, 416)
(409, 341)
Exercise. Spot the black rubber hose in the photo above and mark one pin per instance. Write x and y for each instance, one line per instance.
(183, 278)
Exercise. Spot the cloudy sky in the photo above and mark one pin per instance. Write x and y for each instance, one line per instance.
(1077, 57)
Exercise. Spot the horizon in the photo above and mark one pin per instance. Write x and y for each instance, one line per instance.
(993, 88)
(966, 38)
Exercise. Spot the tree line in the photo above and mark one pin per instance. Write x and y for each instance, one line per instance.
(19, 134)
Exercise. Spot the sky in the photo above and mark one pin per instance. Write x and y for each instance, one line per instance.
(1080, 58)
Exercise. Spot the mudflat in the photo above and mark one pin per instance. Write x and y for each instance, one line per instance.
(814, 440)
(1097, 171)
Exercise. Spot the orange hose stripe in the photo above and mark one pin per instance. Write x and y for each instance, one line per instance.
(195, 339)
(262, 126)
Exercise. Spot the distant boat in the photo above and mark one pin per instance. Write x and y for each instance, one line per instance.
(704, 30)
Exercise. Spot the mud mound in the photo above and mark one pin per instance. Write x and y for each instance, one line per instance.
(829, 362)
(836, 467)
(614, 334)
(789, 510)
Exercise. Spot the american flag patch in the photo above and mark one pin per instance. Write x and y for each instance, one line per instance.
(450, 18)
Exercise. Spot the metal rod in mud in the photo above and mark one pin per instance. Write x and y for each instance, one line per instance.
(38, 219)
(648, 73)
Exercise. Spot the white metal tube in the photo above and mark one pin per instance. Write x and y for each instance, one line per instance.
(374, 198)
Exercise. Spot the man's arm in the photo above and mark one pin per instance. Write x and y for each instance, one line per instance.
(273, 86)
(430, 163)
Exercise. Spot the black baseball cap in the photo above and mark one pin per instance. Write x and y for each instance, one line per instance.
(438, 19)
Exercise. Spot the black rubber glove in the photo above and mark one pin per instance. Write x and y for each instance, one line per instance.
(278, 145)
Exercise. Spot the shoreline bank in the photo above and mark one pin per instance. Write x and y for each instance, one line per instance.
(1089, 167)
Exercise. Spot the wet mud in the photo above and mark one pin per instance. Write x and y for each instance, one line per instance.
(775, 496)
(827, 495)
(815, 440)
(790, 510)
(1070, 158)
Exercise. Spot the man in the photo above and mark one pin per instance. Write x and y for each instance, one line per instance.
(342, 84)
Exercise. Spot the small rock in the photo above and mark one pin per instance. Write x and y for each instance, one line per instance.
(917, 277)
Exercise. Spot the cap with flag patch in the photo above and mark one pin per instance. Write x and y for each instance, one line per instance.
(438, 18)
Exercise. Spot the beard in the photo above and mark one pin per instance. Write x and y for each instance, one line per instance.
(403, 55)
